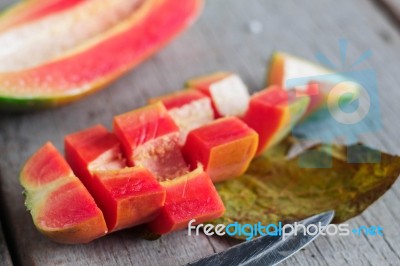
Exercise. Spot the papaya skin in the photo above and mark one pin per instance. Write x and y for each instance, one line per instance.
(79, 72)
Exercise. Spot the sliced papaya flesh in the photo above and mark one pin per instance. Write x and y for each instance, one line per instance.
(273, 112)
(150, 138)
(227, 91)
(224, 147)
(93, 149)
(95, 155)
(192, 196)
(28, 11)
(35, 43)
(189, 109)
(317, 81)
(61, 207)
(95, 63)
(129, 196)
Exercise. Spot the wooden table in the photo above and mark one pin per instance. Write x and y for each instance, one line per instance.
(221, 39)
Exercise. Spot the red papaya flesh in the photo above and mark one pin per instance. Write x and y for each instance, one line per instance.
(94, 63)
(128, 196)
(189, 109)
(227, 91)
(150, 138)
(93, 149)
(60, 205)
(191, 196)
(272, 113)
(224, 147)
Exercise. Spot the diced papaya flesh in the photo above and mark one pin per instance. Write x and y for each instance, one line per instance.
(228, 93)
(61, 206)
(128, 197)
(189, 109)
(192, 196)
(224, 147)
(93, 149)
(95, 153)
(140, 126)
(272, 113)
(160, 153)
(150, 138)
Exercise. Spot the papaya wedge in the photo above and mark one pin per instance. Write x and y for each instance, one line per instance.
(91, 65)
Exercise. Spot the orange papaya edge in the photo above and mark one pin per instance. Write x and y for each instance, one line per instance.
(85, 70)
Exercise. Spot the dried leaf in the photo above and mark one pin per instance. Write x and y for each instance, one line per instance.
(279, 189)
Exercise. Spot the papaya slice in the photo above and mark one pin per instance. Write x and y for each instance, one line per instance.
(44, 39)
(317, 80)
(224, 147)
(61, 207)
(272, 114)
(189, 109)
(28, 11)
(191, 196)
(127, 196)
(227, 91)
(99, 60)
(150, 138)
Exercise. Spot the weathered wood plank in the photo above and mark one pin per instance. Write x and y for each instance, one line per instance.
(5, 258)
(220, 40)
(393, 7)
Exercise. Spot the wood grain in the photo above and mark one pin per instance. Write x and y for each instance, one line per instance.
(220, 40)
(5, 258)
(393, 8)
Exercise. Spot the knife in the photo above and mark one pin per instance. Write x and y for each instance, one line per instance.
(268, 250)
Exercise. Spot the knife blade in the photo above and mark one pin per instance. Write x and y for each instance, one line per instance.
(268, 250)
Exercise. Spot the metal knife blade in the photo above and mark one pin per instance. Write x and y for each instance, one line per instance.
(267, 250)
